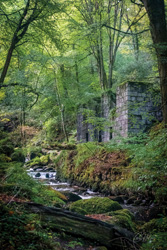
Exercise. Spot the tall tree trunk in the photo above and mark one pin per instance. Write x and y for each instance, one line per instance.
(105, 106)
(7, 62)
(156, 14)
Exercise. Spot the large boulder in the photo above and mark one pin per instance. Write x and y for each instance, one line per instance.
(120, 219)
(96, 205)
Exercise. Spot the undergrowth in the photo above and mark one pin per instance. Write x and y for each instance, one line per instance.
(22, 230)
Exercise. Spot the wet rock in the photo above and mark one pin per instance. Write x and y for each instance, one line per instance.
(117, 198)
(137, 202)
(37, 175)
(131, 200)
(49, 169)
(38, 168)
(72, 197)
(47, 175)
(94, 205)
(143, 203)
(33, 155)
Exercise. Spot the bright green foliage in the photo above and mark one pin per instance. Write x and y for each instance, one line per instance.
(95, 206)
(44, 160)
(41, 161)
(149, 159)
(51, 128)
(33, 162)
(132, 69)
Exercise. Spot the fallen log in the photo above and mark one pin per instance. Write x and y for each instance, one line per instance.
(58, 146)
(79, 225)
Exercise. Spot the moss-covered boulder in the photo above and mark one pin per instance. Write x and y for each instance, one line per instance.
(34, 162)
(95, 205)
(44, 160)
(122, 218)
(38, 161)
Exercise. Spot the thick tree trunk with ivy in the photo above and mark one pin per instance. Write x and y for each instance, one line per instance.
(156, 14)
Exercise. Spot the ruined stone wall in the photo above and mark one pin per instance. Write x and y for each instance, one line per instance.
(81, 127)
(121, 118)
(85, 131)
(137, 107)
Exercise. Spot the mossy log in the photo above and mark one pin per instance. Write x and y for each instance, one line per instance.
(80, 225)
(59, 146)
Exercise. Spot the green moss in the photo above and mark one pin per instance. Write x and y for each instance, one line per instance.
(33, 162)
(79, 210)
(60, 195)
(124, 212)
(155, 225)
(96, 205)
(44, 160)
(123, 218)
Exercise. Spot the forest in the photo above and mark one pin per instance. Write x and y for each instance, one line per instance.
(83, 125)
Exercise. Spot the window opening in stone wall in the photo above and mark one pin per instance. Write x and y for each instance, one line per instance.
(110, 133)
(100, 137)
(87, 137)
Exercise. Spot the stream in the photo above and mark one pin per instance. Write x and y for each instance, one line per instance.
(49, 178)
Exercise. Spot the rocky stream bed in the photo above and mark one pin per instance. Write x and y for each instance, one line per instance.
(143, 212)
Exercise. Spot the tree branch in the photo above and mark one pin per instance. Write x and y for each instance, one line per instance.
(124, 32)
(140, 5)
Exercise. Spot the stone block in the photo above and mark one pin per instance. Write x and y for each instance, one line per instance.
(133, 98)
(140, 99)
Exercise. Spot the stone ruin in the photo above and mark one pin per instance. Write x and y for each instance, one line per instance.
(87, 131)
(137, 108)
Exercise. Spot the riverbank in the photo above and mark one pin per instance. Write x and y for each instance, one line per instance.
(131, 172)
